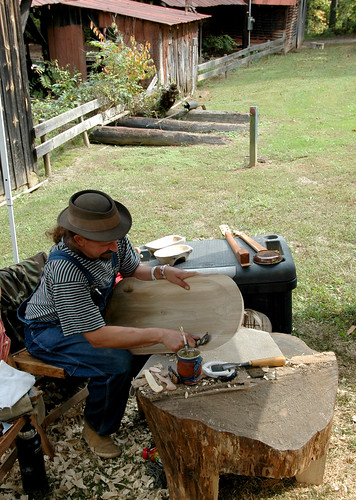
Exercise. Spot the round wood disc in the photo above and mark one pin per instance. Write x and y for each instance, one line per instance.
(213, 304)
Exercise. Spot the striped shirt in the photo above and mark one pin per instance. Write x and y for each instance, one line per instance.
(64, 292)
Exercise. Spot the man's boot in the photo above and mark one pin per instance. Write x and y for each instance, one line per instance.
(103, 446)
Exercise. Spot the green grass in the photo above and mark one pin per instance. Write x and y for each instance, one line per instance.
(303, 188)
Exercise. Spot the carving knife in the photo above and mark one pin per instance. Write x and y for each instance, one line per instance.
(273, 361)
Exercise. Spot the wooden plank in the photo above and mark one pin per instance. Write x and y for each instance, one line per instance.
(14, 96)
(238, 63)
(9, 436)
(223, 64)
(62, 138)
(112, 114)
(237, 55)
(60, 410)
(27, 363)
(9, 461)
(68, 116)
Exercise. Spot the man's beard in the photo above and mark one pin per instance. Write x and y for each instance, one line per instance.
(106, 255)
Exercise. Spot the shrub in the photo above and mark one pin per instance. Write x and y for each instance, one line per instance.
(218, 45)
(119, 70)
(118, 74)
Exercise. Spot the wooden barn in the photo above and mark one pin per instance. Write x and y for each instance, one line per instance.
(173, 34)
(271, 19)
(16, 129)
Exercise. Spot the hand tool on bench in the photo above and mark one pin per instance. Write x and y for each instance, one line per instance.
(242, 255)
(262, 255)
(272, 361)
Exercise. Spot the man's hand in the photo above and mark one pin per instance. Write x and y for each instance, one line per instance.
(123, 337)
(174, 340)
(172, 274)
(177, 276)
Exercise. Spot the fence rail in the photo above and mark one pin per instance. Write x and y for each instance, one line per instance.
(101, 118)
(232, 61)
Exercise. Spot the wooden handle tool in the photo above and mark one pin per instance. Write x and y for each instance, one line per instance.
(251, 242)
(262, 255)
(273, 361)
(242, 255)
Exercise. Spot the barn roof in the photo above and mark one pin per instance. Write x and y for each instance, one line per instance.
(154, 13)
(214, 3)
(202, 3)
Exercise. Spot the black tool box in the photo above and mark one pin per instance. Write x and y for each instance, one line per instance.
(266, 288)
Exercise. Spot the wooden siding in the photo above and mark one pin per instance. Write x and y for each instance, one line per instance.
(66, 45)
(15, 97)
(143, 31)
(271, 22)
(174, 49)
(180, 56)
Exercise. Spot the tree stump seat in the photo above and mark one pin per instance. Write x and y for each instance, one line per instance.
(273, 423)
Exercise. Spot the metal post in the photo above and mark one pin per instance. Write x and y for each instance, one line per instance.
(249, 24)
(253, 135)
(7, 183)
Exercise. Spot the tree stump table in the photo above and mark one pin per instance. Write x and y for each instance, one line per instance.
(273, 423)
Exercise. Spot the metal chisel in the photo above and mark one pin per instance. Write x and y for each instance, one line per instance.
(273, 361)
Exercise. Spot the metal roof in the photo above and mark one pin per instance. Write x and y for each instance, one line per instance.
(198, 4)
(203, 3)
(284, 3)
(154, 13)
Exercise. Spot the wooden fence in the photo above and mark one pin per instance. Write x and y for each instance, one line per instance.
(232, 61)
(64, 119)
(221, 65)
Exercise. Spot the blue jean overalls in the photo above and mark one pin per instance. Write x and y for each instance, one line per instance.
(110, 371)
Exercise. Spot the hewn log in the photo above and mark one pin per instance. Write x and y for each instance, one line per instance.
(269, 426)
(141, 137)
(204, 115)
(184, 126)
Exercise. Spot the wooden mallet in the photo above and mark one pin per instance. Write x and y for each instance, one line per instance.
(242, 255)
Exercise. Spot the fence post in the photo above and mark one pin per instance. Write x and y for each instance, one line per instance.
(85, 134)
(46, 157)
(253, 135)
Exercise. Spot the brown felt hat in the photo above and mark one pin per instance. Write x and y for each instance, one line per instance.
(95, 216)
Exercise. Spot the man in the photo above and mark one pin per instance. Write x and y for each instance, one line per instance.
(63, 318)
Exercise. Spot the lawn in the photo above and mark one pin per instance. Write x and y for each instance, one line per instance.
(302, 188)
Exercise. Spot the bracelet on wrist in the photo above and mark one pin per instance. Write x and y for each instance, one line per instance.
(161, 271)
(153, 273)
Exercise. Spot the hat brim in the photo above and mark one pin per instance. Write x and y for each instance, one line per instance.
(112, 234)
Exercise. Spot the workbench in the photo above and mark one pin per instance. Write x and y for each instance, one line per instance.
(270, 422)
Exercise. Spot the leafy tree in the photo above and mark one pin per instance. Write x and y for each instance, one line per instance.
(328, 17)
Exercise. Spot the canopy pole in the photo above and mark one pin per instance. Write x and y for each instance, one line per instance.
(7, 183)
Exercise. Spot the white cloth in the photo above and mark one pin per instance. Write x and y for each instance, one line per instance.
(13, 384)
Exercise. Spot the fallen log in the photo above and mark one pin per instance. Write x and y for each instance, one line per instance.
(184, 126)
(204, 115)
(141, 137)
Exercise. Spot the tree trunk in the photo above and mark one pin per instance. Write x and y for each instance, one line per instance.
(269, 426)
(333, 12)
(141, 137)
(183, 126)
